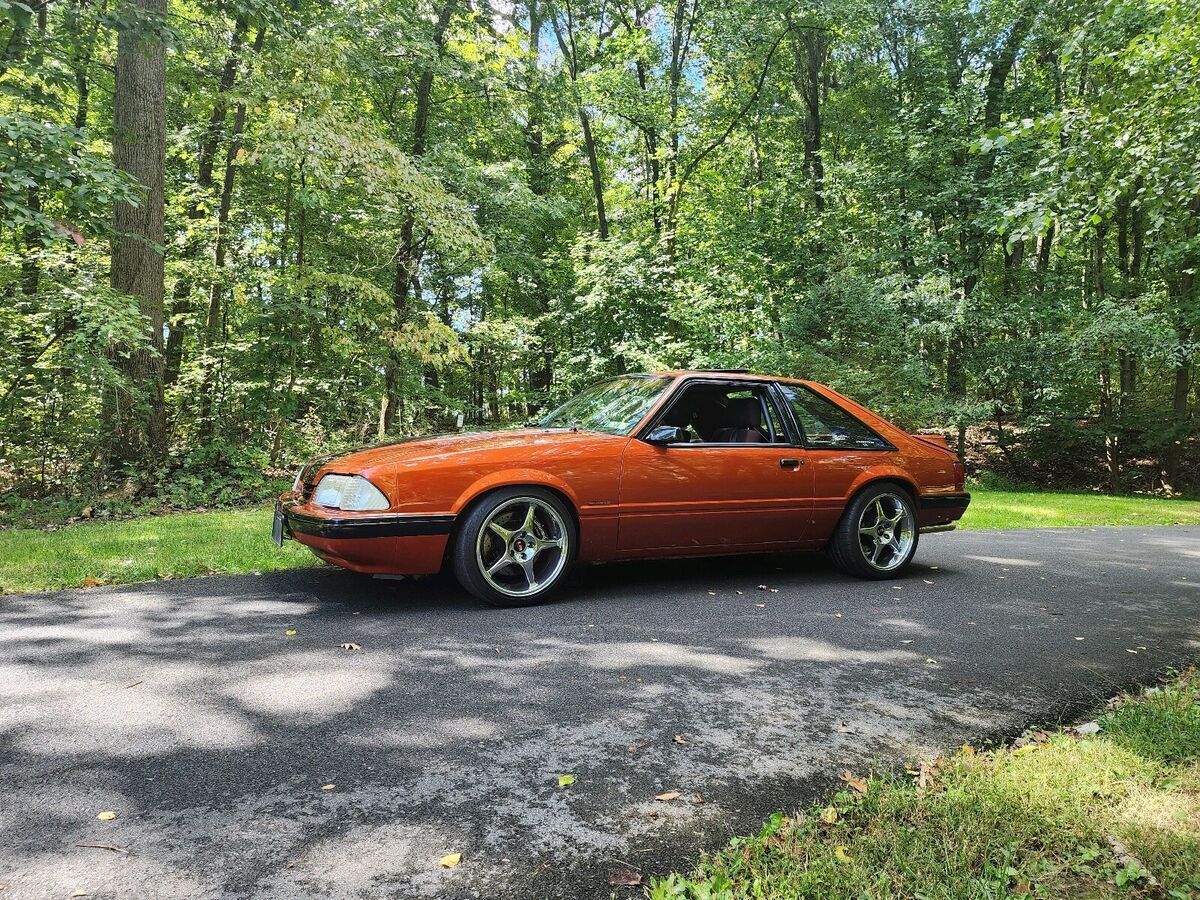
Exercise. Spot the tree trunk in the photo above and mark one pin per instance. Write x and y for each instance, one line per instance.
(810, 49)
(1179, 416)
(136, 420)
(216, 297)
(408, 254)
(181, 306)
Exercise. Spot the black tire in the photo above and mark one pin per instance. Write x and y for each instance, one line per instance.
(467, 553)
(851, 550)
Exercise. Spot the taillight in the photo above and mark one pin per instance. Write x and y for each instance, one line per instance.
(960, 476)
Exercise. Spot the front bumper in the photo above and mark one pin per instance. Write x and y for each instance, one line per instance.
(363, 526)
(378, 543)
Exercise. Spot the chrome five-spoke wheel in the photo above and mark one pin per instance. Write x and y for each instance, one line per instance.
(514, 547)
(885, 532)
(877, 535)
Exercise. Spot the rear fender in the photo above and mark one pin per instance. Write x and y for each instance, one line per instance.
(882, 473)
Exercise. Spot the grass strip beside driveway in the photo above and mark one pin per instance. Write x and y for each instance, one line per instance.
(239, 540)
(1042, 509)
(1110, 814)
(131, 550)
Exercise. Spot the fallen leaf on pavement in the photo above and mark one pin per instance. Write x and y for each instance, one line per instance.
(1079, 639)
(351, 646)
(328, 787)
(564, 780)
(837, 615)
(857, 784)
(829, 815)
(80, 893)
(931, 661)
(450, 860)
(290, 632)
(697, 798)
(844, 728)
(625, 877)
(906, 642)
(679, 739)
(107, 816)
(668, 795)
(763, 587)
(112, 847)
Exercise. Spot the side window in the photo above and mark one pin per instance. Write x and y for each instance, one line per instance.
(725, 414)
(827, 425)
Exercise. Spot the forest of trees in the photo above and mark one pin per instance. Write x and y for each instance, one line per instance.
(234, 233)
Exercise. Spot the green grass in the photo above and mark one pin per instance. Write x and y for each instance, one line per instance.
(1060, 817)
(1041, 509)
(230, 541)
(120, 552)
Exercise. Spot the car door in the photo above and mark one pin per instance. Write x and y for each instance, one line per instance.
(707, 496)
(840, 448)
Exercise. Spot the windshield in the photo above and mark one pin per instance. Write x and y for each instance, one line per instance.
(613, 407)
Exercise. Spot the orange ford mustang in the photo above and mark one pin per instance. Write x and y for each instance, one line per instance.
(656, 465)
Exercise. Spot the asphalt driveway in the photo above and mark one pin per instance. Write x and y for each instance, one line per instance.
(192, 711)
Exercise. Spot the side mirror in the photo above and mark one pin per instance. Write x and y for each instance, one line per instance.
(661, 435)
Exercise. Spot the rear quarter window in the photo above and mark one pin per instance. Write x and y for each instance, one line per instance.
(826, 425)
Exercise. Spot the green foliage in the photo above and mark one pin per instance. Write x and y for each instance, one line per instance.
(977, 217)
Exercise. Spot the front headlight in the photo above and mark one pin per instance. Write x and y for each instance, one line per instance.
(351, 492)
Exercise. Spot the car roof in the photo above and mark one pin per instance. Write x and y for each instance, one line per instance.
(732, 374)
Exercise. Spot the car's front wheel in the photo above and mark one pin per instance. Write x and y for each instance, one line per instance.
(877, 535)
(514, 547)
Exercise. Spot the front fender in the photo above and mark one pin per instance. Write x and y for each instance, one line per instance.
(510, 477)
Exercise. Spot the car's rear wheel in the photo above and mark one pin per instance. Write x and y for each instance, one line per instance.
(877, 535)
(515, 546)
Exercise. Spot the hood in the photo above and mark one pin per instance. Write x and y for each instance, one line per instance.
(438, 446)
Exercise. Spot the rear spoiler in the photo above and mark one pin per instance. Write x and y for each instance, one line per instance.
(934, 438)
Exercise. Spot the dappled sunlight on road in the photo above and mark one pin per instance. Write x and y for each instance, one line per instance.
(798, 649)
(188, 708)
(1003, 560)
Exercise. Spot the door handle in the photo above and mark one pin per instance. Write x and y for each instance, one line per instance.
(790, 463)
